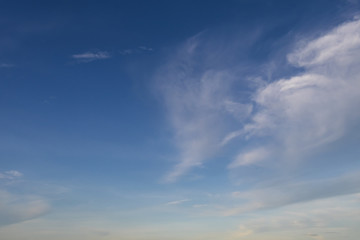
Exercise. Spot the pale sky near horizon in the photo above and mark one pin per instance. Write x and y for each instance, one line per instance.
(144, 120)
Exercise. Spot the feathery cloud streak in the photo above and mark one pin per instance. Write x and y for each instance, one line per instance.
(6, 65)
(12, 174)
(318, 220)
(91, 56)
(177, 202)
(315, 108)
(295, 192)
(20, 207)
(298, 114)
(17, 207)
(195, 98)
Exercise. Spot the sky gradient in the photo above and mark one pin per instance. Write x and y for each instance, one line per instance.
(180, 120)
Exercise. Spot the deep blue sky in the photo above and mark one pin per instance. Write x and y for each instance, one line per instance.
(135, 119)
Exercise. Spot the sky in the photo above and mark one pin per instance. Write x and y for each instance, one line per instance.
(144, 120)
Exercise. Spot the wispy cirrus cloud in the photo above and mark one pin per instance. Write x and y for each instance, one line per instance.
(287, 117)
(292, 192)
(6, 65)
(91, 56)
(138, 50)
(315, 108)
(250, 157)
(11, 174)
(17, 206)
(198, 101)
(177, 202)
(317, 220)
(20, 207)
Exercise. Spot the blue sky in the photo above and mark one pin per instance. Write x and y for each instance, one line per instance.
(180, 120)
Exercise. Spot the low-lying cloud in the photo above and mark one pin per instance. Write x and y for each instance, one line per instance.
(17, 206)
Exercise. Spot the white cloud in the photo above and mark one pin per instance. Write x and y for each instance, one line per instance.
(251, 157)
(126, 51)
(6, 65)
(334, 218)
(193, 107)
(12, 174)
(177, 202)
(146, 49)
(310, 110)
(337, 47)
(302, 112)
(91, 56)
(198, 102)
(17, 208)
(21, 200)
(241, 232)
(288, 117)
(138, 50)
(291, 192)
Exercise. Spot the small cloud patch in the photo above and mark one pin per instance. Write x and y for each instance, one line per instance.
(177, 202)
(6, 65)
(9, 175)
(91, 56)
(138, 50)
